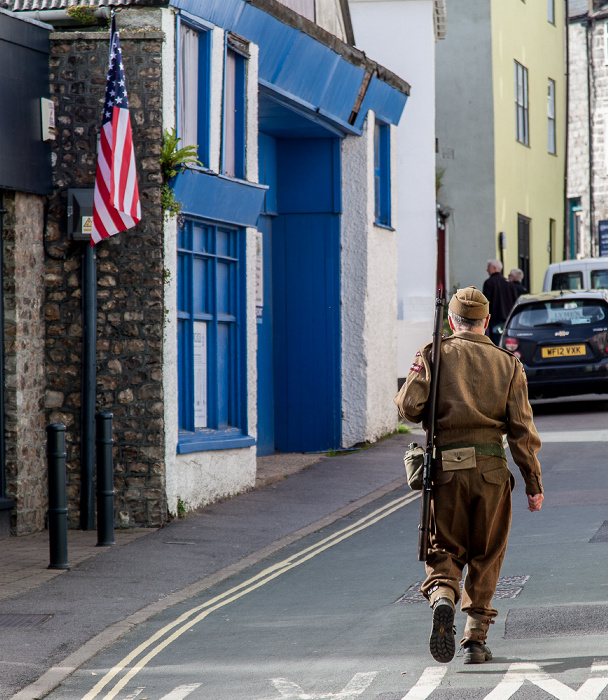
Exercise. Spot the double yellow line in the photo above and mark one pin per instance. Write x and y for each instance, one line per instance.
(169, 633)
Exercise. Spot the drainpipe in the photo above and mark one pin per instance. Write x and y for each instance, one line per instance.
(589, 39)
(567, 231)
(61, 17)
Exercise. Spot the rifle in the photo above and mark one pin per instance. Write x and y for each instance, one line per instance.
(427, 474)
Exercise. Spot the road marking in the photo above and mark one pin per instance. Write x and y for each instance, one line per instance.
(520, 672)
(429, 680)
(358, 684)
(575, 436)
(181, 691)
(202, 611)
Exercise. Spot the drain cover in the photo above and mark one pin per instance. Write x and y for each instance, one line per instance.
(507, 587)
(22, 621)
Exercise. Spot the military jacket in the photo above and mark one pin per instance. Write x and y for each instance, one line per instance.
(482, 395)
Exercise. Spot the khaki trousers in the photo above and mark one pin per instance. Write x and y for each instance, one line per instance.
(470, 523)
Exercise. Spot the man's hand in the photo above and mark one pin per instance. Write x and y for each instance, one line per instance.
(535, 502)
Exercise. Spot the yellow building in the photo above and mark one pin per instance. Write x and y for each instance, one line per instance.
(501, 137)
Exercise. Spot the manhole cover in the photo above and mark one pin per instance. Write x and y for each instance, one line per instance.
(22, 621)
(508, 587)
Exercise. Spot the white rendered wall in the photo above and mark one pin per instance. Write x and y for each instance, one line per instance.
(399, 34)
(200, 478)
(368, 290)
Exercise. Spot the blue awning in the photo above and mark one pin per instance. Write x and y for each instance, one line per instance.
(306, 66)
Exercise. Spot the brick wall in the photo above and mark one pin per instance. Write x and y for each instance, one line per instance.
(129, 272)
(23, 277)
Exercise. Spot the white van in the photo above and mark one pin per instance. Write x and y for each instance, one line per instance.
(588, 273)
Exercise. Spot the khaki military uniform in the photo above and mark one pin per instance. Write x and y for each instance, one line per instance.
(482, 395)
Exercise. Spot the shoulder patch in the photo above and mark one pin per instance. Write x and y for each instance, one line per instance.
(415, 367)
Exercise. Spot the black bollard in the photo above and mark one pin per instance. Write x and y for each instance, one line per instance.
(58, 511)
(105, 480)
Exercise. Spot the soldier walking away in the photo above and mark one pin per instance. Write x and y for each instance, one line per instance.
(501, 296)
(516, 278)
(482, 395)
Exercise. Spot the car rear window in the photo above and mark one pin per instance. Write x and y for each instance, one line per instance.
(599, 279)
(547, 314)
(567, 280)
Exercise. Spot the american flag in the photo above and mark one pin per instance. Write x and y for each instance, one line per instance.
(116, 203)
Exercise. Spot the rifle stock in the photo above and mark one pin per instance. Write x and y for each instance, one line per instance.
(425, 503)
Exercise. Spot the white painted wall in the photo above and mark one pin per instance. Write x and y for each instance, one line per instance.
(399, 34)
(201, 478)
(369, 300)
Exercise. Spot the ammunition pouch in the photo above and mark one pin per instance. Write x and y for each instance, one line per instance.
(414, 466)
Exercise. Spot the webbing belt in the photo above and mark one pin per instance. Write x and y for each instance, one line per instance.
(489, 449)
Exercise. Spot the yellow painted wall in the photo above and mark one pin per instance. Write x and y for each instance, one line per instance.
(529, 180)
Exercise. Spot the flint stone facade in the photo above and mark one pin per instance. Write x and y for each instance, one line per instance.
(130, 279)
(23, 277)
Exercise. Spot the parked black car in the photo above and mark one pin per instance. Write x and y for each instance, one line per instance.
(561, 338)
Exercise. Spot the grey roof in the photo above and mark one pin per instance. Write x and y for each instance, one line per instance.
(22, 5)
(577, 8)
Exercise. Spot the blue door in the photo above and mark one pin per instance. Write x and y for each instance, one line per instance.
(299, 377)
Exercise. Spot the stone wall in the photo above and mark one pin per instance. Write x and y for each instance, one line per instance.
(23, 277)
(129, 274)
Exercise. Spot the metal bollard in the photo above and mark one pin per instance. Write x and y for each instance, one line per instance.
(105, 480)
(58, 511)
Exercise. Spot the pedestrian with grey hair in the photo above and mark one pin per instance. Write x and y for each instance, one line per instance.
(482, 395)
(516, 278)
(501, 297)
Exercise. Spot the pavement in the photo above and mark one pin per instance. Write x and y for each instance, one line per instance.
(53, 621)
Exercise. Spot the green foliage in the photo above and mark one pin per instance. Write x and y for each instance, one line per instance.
(83, 14)
(173, 160)
(182, 508)
(404, 428)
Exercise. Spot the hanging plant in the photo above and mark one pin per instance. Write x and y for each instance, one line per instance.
(173, 160)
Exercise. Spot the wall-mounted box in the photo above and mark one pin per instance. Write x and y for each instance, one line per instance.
(47, 112)
(80, 214)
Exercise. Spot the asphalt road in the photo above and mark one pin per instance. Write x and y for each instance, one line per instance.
(337, 614)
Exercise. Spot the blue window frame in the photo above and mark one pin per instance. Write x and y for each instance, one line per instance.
(211, 351)
(235, 102)
(193, 85)
(382, 173)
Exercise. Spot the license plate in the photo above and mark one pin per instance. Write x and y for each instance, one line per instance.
(564, 351)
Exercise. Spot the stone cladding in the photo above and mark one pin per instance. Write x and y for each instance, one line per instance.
(129, 275)
(23, 278)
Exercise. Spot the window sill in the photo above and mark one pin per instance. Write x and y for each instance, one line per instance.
(379, 224)
(207, 439)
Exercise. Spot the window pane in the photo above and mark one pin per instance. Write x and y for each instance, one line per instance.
(223, 243)
(199, 239)
(200, 374)
(226, 291)
(182, 283)
(230, 115)
(551, 11)
(224, 352)
(200, 301)
(188, 86)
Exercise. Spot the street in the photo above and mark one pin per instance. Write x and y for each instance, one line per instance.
(337, 614)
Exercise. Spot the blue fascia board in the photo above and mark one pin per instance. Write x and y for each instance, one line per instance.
(219, 198)
(298, 66)
(386, 103)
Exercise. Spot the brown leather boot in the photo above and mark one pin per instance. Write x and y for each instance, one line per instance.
(474, 637)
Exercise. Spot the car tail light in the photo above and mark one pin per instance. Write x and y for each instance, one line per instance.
(511, 344)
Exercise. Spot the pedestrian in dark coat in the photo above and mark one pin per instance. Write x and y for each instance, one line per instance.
(482, 396)
(501, 296)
